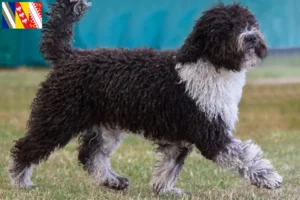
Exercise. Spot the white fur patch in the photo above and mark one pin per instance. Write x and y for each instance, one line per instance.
(167, 167)
(162, 172)
(215, 93)
(22, 179)
(111, 139)
(100, 168)
(99, 165)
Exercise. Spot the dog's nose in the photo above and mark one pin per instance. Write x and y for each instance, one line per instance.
(250, 38)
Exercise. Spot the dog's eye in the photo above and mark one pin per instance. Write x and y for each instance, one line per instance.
(229, 27)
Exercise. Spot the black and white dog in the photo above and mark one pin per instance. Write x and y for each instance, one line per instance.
(178, 99)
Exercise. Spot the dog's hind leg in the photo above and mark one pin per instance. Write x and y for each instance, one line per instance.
(30, 150)
(170, 159)
(246, 159)
(54, 120)
(97, 144)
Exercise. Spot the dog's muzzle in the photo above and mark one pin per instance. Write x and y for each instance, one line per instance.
(254, 41)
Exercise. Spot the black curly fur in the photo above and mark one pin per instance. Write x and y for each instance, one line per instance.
(90, 143)
(138, 90)
(58, 31)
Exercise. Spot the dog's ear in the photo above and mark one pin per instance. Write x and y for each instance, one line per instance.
(192, 49)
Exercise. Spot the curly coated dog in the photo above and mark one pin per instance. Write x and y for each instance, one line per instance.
(179, 99)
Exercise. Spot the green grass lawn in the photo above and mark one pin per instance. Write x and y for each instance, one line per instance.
(269, 114)
(276, 67)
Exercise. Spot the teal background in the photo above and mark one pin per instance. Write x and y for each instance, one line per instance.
(161, 24)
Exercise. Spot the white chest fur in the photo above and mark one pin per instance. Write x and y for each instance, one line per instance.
(215, 93)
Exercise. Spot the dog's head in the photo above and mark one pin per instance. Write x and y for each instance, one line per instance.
(227, 36)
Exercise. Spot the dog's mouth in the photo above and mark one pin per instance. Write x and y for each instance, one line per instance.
(258, 47)
(258, 50)
(251, 58)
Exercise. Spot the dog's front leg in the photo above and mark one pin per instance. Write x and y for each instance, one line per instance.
(246, 159)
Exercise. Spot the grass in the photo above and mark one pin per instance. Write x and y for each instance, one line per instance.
(277, 67)
(269, 114)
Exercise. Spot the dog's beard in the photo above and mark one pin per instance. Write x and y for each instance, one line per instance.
(251, 59)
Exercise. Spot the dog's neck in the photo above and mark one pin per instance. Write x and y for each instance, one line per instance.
(217, 93)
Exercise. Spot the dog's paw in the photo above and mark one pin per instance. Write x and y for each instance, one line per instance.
(117, 183)
(268, 179)
(22, 184)
(176, 191)
(167, 191)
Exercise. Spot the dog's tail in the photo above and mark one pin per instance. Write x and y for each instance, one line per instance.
(57, 32)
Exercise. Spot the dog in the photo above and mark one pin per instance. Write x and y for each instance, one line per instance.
(179, 99)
